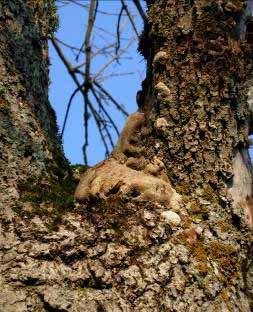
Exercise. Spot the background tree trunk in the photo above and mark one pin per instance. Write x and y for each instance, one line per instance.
(161, 225)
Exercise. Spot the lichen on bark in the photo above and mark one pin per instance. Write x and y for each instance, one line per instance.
(31, 152)
(197, 120)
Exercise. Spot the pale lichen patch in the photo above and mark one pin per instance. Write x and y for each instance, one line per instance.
(171, 217)
(160, 58)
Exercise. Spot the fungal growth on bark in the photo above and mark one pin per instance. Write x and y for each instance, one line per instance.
(127, 173)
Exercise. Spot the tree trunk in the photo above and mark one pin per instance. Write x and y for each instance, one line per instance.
(163, 224)
(30, 148)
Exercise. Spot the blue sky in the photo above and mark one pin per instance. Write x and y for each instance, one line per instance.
(72, 28)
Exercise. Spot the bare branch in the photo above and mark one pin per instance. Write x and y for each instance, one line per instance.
(67, 45)
(68, 109)
(86, 6)
(116, 57)
(104, 110)
(104, 78)
(140, 10)
(64, 59)
(87, 82)
(118, 31)
(88, 103)
(130, 18)
(98, 122)
(87, 40)
(109, 50)
(119, 107)
(79, 86)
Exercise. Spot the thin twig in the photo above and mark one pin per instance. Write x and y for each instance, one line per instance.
(104, 110)
(96, 53)
(73, 76)
(87, 40)
(68, 109)
(113, 75)
(87, 81)
(67, 45)
(130, 18)
(86, 6)
(140, 10)
(64, 60)
(98, 122)
(119, 107)
(118, 31)
(86, 99)
(112, 60)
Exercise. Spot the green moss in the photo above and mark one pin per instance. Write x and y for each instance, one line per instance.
(47, 7)
(54, 223)
(195, 207)
(51, 199)
(187, 223)
(61, 167)
(209, 194)
(200, 252)
(181, 239)
(225, 255)
(3, 90)
(224, 225)
(219, 250)
(183, 189)
(5, 110)
(53, 18)
(197, 211)
(79, 168)
(203, 267)
(17, 209)
(116, 226)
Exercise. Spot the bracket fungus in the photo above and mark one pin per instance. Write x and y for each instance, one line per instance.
(127, 174)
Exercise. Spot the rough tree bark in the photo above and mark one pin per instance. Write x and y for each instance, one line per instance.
(163, 224)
